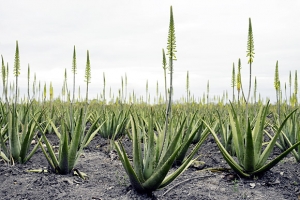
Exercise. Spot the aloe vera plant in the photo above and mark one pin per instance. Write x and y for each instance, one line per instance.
(70, 147)
(251, 157)
(114, 123)
(149, 170)
(290, 134)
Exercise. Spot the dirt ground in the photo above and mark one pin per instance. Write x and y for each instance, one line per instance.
(107, 179)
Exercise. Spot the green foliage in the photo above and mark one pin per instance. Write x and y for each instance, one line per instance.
(113, 123)
(251, 156)
(290, 134)
(70, 146)
(21, 128)
(149, 170)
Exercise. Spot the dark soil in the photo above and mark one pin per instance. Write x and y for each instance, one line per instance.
(107, 179)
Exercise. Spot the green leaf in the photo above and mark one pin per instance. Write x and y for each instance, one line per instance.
(264, 156)
(13, 131)
(64, 155)
(229, 159)
(249, 159)
(137, 151)
(75, 148)
(129, 169)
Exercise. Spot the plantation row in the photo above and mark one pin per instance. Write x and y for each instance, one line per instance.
(162, 135)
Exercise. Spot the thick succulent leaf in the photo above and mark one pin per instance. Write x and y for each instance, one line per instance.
(160, 173)
(90, 135)
(54, 128)
(51, 161)
(189, 135)
(150, 157)
(14, 140)
(170, 148)
(64, 155)
(3, 156)
(276, 160)
(186, 163)
(29, 134)
(74, 147)
(31, 153)
(3, 146)
(259, 130)
(229, 159)
(264, 156)
(50, 150)
(249, 159)
(237, 135)
(137, 151)
(134, 180)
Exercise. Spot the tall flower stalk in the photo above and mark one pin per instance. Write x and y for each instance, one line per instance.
(239, 81)
(28, 81)
(250, 55)
(16, 72)
(187, 87)
(74, 71)
(87, 80)
(165, 74)
(277, 88)
(171, 47)
(233, 81)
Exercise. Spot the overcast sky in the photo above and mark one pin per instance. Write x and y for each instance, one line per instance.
(128, 37)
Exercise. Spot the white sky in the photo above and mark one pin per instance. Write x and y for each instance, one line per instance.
(128, 37)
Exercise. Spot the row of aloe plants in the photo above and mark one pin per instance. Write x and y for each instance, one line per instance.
(162, 135)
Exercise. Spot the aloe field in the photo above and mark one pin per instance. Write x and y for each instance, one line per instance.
(124, 146)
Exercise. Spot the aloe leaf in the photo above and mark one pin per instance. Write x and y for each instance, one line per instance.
(90, 135)
(29, 134)
(276, 160)
(237, 136)
(231, 162)
(170, 147)
(264, 156)
(75, 141)
(189, 135)
(50, 150)
(137, 152)
(51, 161)
(290, 144)
(249, 158)
(2, 155)
(63, 155)
(186, 163)
(134, 180)
(2, 141)
(160, 172)
(14, 139)
(150, 157)
(31, 153)
(259, 130)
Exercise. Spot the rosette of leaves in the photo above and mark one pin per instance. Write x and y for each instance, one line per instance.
(21, 130)
(251, 156)
(114, 123)
(290, 134)
(150, 167)
(70, 146)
